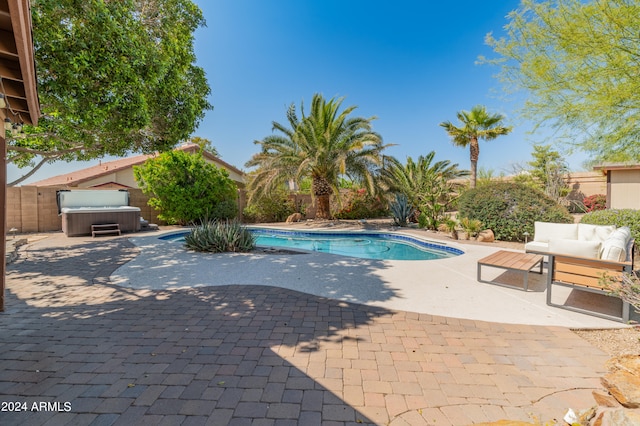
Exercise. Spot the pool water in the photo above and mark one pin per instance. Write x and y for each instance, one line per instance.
(361, 245)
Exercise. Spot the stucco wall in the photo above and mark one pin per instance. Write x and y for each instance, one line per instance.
(624, 189)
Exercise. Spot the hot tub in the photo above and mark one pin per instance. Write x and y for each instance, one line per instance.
(80, 209)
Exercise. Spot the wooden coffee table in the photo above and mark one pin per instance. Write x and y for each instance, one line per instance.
(511, 261)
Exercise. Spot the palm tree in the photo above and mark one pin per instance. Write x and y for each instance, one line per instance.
(476, 124)
(429, 185)
(324, 146)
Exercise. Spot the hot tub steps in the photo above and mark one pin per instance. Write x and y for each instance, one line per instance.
(104, 229)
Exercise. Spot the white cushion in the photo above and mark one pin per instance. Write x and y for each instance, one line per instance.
(588, 232)
(544, 231)
(589, 249)
(615, 247)
(536, 246)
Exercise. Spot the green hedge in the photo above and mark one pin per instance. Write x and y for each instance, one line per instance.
(510, 209)
(623, 217)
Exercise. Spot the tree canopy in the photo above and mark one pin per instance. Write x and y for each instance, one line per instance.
(578, 62)
(185, 188)
(429, 185)
(325, 146)
(475, 125)
(113, 77)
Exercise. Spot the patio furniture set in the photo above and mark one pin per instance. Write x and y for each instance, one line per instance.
(579, 256)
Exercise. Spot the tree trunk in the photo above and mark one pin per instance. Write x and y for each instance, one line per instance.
(322, 192)
(324, 207)
(474, 151)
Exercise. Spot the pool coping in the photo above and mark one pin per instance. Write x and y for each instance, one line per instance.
(393, 235)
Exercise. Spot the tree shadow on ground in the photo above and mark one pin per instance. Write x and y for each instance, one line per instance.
(127, 356)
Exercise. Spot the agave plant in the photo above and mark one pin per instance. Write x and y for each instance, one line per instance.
(402, 210)
(217, 236)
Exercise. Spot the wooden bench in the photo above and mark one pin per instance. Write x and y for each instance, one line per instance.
(586, 274)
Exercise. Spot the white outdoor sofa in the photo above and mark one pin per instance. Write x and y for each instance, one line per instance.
(580, 255)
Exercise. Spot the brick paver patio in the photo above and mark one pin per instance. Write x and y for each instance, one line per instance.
(102, 355)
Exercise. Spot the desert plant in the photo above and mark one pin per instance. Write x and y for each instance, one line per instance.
(626, 287)
(423, 220)
(430, 186)
(510, 209)
(401, 210)
(477, 124)
(216, 236)
(470, 226)
(324, 145)
(595, 202)
(449, 225)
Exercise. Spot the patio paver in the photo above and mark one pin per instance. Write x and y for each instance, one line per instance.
(239, 354)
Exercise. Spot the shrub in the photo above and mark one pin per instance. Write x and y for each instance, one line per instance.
(275, 207)
(510, 209)
(359, 204)
(595, 202)
(623, 217)
(471, 227)
(185, 188)
(217, 236)
(626, 287)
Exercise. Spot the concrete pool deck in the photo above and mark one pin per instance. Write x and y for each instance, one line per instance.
(103, 354)
(446, 287)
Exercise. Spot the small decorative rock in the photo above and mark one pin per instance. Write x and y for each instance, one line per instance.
(617, 417)
(486, 236)
(295, 217)
(604, 399)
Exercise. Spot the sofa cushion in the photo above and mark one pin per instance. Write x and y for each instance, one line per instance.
(588, 232)
(536, 247)
(578, 248)
(615, 247)
(544, 231)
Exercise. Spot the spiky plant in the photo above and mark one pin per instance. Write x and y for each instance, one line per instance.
(216, 236)
(470, 226)
(402, 210)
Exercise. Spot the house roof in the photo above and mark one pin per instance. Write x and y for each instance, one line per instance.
(617, 166)
(17, 65)
(109, 167)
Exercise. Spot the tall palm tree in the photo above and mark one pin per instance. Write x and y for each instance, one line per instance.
(429, 185)
(476, 124)
(325, 145)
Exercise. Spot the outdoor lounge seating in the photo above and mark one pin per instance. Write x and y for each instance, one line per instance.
(580, 255)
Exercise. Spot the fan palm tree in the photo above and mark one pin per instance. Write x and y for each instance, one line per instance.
(325, 145)
(428, 185)
(476, 124)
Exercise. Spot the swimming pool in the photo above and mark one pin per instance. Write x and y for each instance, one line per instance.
(369, 245)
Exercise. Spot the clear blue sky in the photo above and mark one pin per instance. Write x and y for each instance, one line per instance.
(409, 63)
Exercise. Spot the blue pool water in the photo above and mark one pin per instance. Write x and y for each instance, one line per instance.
(355, 244)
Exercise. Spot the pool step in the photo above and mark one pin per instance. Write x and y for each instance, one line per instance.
(104, 229)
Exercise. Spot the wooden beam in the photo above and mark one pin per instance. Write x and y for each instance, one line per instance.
(3, 210)
(8, 45)
(10, 70)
